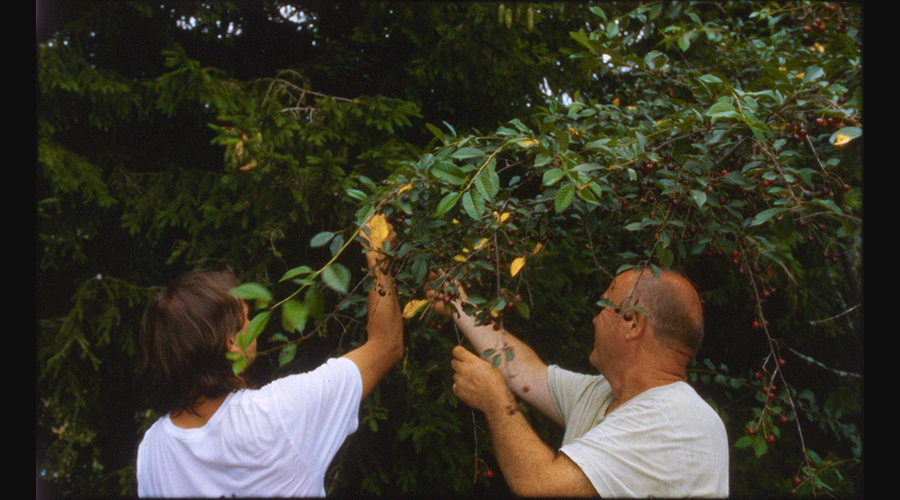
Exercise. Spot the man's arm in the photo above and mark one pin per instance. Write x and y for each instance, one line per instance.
(529, 466)
(384, 343)
(525, 374)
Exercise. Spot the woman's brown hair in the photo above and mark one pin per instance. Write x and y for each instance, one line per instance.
(184, 334)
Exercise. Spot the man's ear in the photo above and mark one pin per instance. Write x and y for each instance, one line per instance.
(637, 324)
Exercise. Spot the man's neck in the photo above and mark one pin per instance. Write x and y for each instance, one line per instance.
(639, 379)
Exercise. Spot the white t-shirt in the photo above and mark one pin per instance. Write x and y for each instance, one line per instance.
(276, 441)
(665, 442)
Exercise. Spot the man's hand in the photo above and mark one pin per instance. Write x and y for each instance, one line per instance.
(439, 303)
(478, 384)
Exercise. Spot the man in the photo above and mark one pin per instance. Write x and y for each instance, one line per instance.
(636, 430)
(216, 438)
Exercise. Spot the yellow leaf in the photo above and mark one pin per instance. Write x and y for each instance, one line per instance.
(537, 248)
(481, 243)
(413, 306)
(615, 102)
(527, 143)
(455, 221)
(800, 75)
(517, 266)
(841, 139)
(378, 231)
(459, 258)
(405, 188)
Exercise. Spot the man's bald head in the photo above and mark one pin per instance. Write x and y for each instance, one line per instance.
(674, 307)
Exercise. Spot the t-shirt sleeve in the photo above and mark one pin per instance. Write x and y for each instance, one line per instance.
(319, 409)
(566, 388)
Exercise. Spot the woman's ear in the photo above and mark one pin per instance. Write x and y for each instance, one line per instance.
(231, 345)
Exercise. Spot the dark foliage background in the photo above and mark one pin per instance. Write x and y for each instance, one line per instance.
(531, 150)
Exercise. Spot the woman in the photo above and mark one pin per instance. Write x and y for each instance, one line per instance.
(218, 438)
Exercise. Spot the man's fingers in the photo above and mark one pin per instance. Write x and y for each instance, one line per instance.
(462, 354)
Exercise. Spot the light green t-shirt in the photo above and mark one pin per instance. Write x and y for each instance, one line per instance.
(664, 442)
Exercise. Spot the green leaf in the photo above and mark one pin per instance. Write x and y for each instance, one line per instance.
(612, 29)
(287, 354)
(743, 442)
(356, 194)
(553, 176)
(337, 277)
(709, 79)
(253, 291)
(238, 362)
(665, 256)
(607, 303)
(812, 74)
(256, 326)
(297, 271)
(293, 315)
(523, 309)
(767, 214)
(473, 204)
(542, 159)
(321, 239)
(448, 172)
(487, 185)
(315, 303)
(656, 60)
(446, 203)
(829, 204)
(720, 107)
(466, 153)
(759, 446)
(564, 198)
(598, 12)
(699, 197)
(437, 132)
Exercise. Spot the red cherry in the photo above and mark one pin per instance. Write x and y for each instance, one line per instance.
(756, 324)
(489, 474)
(781, 363)
(797, 481)
(783, 419)
(770, 439)
(757, 376)
(751, 431)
